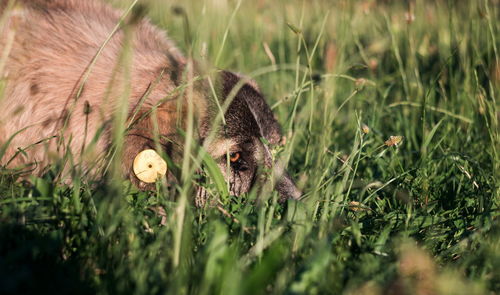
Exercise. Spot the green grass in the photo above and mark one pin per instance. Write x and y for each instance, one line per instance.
(420, 217)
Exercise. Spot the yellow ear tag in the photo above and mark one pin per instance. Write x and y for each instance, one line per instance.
(149, 166)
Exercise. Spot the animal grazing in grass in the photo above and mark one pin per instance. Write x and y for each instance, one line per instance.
(77, 74)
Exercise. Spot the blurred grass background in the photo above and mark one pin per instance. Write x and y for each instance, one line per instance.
(417, 217)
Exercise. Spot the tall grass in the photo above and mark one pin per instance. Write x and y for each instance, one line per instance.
(390, 114)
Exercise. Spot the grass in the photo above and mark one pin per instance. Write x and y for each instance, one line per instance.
(416, 217)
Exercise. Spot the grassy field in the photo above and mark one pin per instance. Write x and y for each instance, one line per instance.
(390, 109)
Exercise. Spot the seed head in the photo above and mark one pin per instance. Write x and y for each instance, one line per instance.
(409, 17)
(87, 109)
(365, 129)
(394, 140)
(360, 82)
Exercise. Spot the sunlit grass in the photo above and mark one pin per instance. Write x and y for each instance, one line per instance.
(390, 114)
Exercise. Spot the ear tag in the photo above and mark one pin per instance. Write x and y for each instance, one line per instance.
(149, 166)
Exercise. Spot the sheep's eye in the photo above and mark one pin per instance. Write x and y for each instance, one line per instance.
(237, 162)
(234, 157)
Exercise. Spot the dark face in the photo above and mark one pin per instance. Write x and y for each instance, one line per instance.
(239, 149)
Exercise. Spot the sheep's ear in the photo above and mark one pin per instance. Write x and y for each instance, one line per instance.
(250, 93)
(249, 81)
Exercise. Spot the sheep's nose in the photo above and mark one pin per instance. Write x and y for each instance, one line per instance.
(287, 189)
